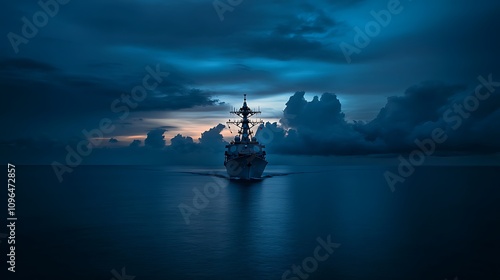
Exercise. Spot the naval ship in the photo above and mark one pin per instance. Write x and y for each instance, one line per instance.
(245, 157)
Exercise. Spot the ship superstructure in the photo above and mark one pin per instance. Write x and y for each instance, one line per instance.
(245, 157)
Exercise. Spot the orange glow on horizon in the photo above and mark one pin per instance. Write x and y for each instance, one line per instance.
(186, 128)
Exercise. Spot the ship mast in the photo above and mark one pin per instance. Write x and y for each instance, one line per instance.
(245, 125)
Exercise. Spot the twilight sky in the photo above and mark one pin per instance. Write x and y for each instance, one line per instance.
(429, 54)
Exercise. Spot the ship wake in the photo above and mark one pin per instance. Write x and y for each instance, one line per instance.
(225, 176)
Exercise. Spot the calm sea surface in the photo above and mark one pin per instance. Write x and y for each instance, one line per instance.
(105, 222)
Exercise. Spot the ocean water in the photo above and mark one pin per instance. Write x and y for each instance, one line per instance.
(110, 222)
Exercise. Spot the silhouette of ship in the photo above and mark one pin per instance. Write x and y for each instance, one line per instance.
(245, 157)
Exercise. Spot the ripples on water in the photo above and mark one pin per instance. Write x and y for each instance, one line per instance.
(441, 223)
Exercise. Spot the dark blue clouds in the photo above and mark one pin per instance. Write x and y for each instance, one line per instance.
(135, 144)
(202, 50)
(468, 118)
(44, 100)
(316, 114)
(155, 139)
(212, 137)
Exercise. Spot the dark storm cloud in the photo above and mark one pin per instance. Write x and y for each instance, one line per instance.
(182, 144)
(144, 21)
(213, 136)
(315, 114)
(135, 144)
(120, 37)
(27, 76)
(298, 36)
(428, 106)
(455, 47)
(401, 115)
(319, 127)
(175, 97)
(281, 30)
(210, 141)
(155, 139)
(314, 127)
(38, 96)
(48, 101)
(181, 150)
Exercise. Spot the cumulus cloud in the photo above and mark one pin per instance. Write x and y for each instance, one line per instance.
(182, 144)
(315, 127)
(212, 137)
(210, 141)
(135, 144)
(316, 114)
(398, 121)
(155, 139)
(319, 126)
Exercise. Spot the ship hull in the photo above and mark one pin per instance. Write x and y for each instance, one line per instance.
(246, 167)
